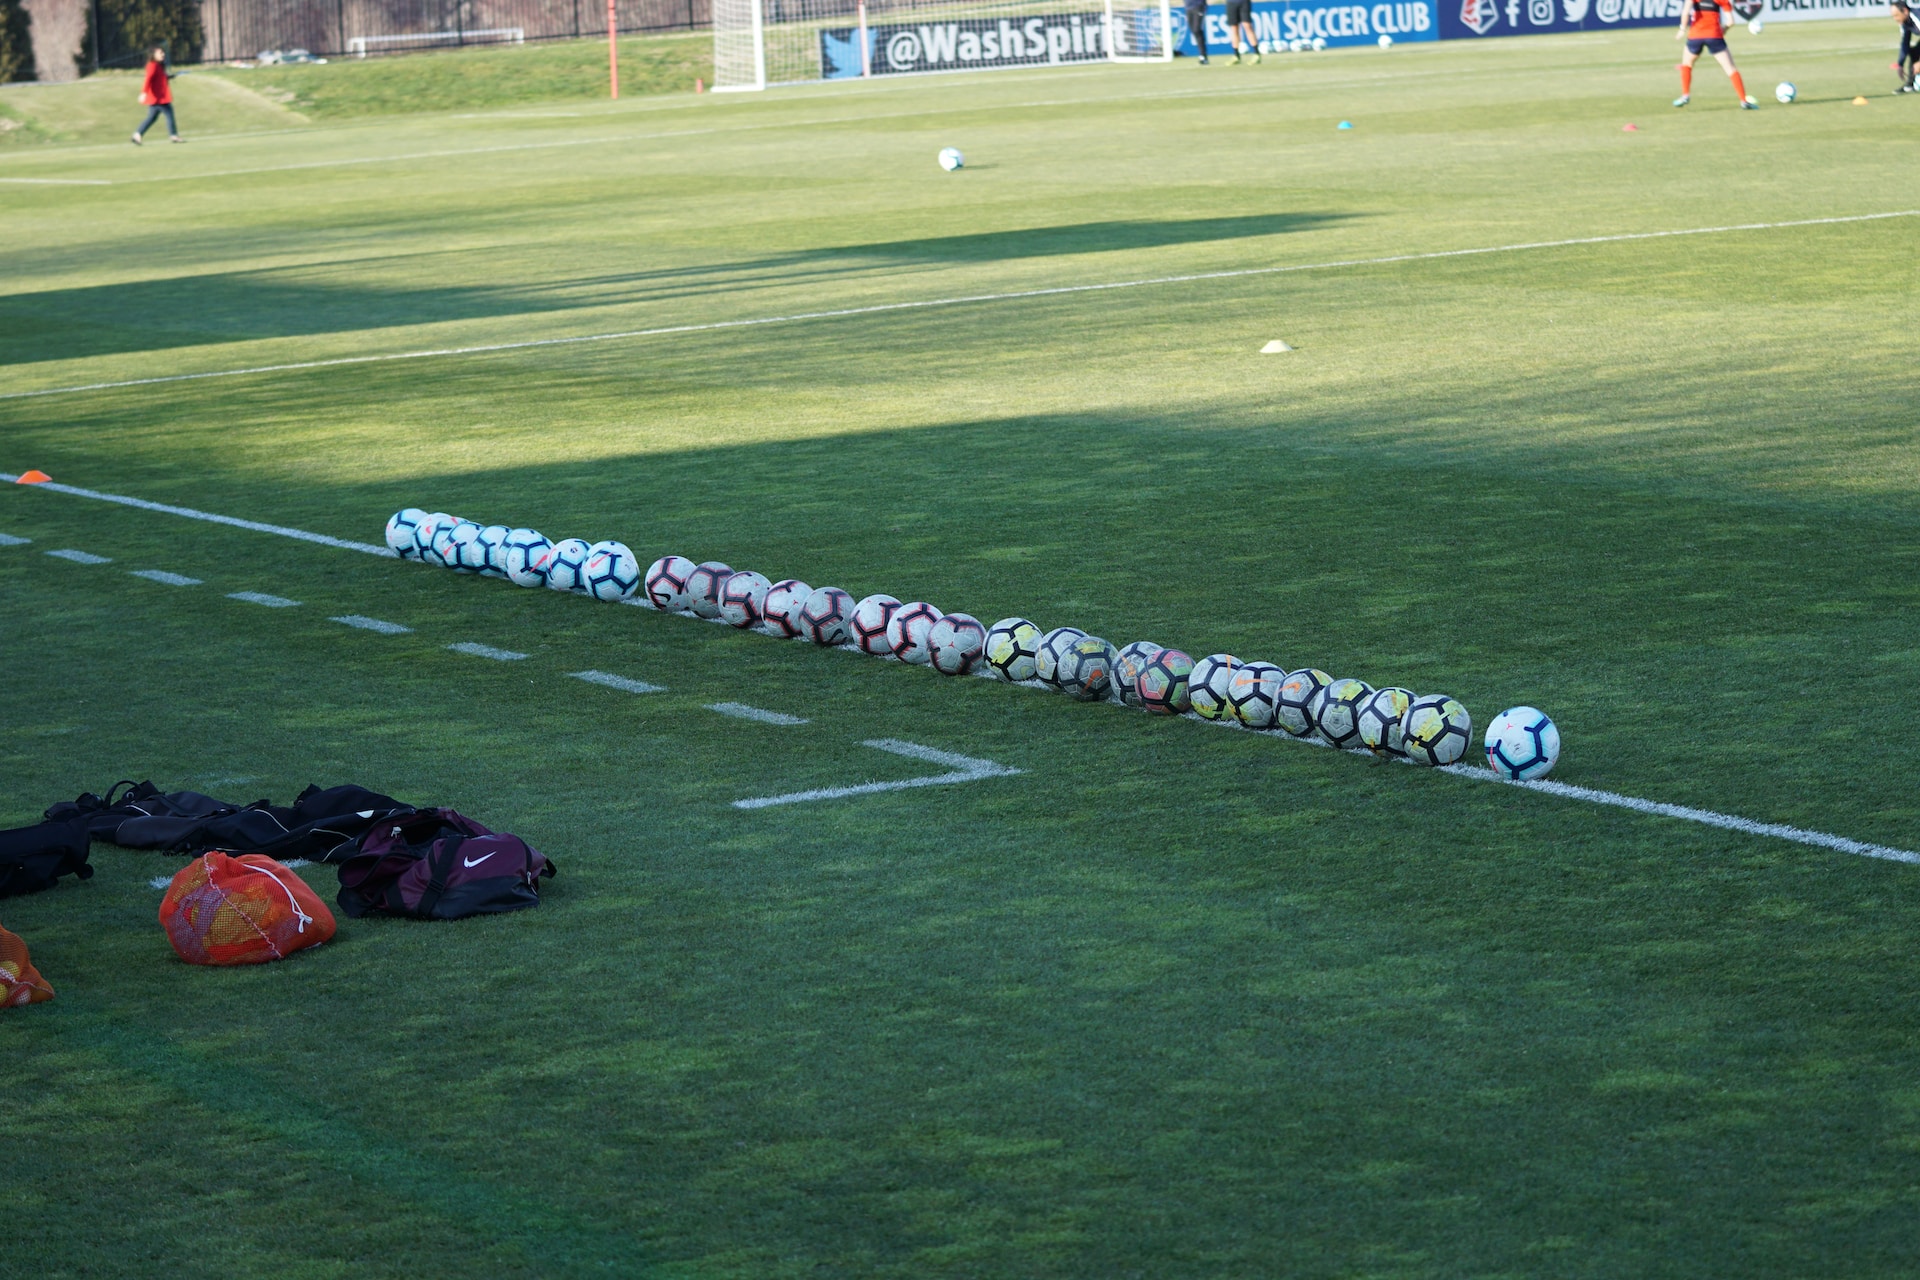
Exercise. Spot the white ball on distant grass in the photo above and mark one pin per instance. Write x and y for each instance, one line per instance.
(1207, 686)
(867, 626)
(666, 583)
(1523, 743)
(1296, 45)
(425, 529)
(1265, 46)
(1382, 721)
(1784, 92)
(955, 644)
(1336, 711)
(1011, 649)
(402, 526)
(743, 598)
(612, 572)
(1436, 730)
(1293, 708)
(1085, 669)
(525, 556)
(781, 611)
(703, 587)
(566, 571)
(909, 630)
(1318, 44)
(951, 159)
(1386, 42)
(1129, 665)
(450, 542)
(1756, 27)
(491, 550)
(1053, 647)
(1253, 691)
(824, 617)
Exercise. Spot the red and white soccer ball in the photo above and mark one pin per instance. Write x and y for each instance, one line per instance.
(666, 583)
(743, 598)
(956, 643)
(703, 587)
(867, 627)
(909, 630)
(823, 619)
(781, 612)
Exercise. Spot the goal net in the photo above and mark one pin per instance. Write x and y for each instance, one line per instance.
(761, 42)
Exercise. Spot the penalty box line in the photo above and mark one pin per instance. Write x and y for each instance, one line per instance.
(926, 304)
(1656, 808)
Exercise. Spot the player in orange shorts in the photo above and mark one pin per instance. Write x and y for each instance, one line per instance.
(1703, 25)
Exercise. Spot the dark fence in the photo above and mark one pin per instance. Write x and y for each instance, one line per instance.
(245, 28)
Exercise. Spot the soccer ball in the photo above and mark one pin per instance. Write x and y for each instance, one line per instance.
(1522, 744)
(1436, 730)
(1296, 45)
(1784, 92)
(666, 583)
(1012, 645)
(743, 598)
(1293, 708)
(909, 629)
(524, 557)
(782, 607)
(567, 570)
(955, 643)
(1127, 667)
(1053, 647)
(951, 159)
(1207, 686)
(1085, 669)
(1755, 27)
(823, 618)
(1386, 42)
(1162, 683)
(611, 572)
(491, 545)
(448, 538)
(424, 530)
(402, 526)
(1265, 46)
(1252, 691)
(1382, 718)
(1336, 711)
(867, 628)
(703, 587)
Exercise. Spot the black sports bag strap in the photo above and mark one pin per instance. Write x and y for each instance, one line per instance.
(440, 864)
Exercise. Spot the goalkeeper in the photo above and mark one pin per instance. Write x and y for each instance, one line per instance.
(1197, 26)
(1909, 45)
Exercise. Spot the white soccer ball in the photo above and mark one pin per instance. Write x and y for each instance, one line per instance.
(743, 598)
(1755, 28)
(867, 627)
(824, 617)
(524, 558)
(1336, 711)
(1085, 669)
(611, 572)
(951, 159)
(1053, 647)
(1522, 744)
(1293, 707)
(1129, 665)
(1784, 92)
(1252, 692)
(956, 643)
(402, 526)
(425, 530)
(666, 583)
(567, 570)
(1382, 720)
(492, 550)
(785, 601)
(1207, 686)
(1012, 649)
(450, 543)
(1436, 730)
(1265, 46)
(909, 630)
(703, 587)
(1296, 45)
(1386, 42)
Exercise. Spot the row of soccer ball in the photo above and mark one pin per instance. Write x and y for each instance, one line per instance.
(1431, 729)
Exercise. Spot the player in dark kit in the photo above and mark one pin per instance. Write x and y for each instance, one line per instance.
(1239, 19)
(1909, 45)
(1197, 26)
(1703, 25)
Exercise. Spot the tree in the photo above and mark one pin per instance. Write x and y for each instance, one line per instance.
(130, 28)
(16, 43)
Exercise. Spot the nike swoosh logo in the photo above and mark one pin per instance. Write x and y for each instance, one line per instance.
(474, 862)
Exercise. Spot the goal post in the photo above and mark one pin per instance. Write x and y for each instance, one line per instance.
(761, 42)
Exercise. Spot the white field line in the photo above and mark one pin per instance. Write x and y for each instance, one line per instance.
(486, 651)
(162, 576)
(965, 769)
(255, 525)
(11, 540)
(262, 598)
(741, 711)
(62, 182)
(923, 304)
(80, 557)
(618, 682)
(372, 624)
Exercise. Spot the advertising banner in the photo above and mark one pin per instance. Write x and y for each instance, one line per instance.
(966, 44)
(1469, 19)
(1807, 10)
(1277, 21)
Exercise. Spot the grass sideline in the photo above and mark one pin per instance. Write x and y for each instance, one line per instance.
(1172, 1001)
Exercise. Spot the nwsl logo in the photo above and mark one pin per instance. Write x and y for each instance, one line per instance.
(1479, 16)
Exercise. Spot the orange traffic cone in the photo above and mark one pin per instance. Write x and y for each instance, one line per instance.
(34, 477)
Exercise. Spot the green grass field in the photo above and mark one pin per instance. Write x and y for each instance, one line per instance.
(1172, 1001)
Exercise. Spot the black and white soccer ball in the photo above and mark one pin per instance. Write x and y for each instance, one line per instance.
(666, 583)
(823, 618)
(1207, 686)
(1085, 669)
(1162, 683)
(612, 572)
(1523, 743)
(1252, 691)
(743, 598)
(1293, 709)
(955, 644)
(909, 630)
(1336, 711)
(1436, 730)
(1128, 666)
(1382, 720)
(703, 587)
(867, 627)
(567, 570)
(1053, 647)
(493, 550)
(524, 558)
(425, 530)
(1011, 649)
(402, 526)
(783, 605)
(449, 545)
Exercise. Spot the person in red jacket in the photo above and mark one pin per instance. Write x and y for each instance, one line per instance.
(1703, 25)
(156, 95)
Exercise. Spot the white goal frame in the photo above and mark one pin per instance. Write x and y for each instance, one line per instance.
(485, 35)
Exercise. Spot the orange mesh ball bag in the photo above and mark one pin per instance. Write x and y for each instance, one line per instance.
(20, 982)
(246, 910)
